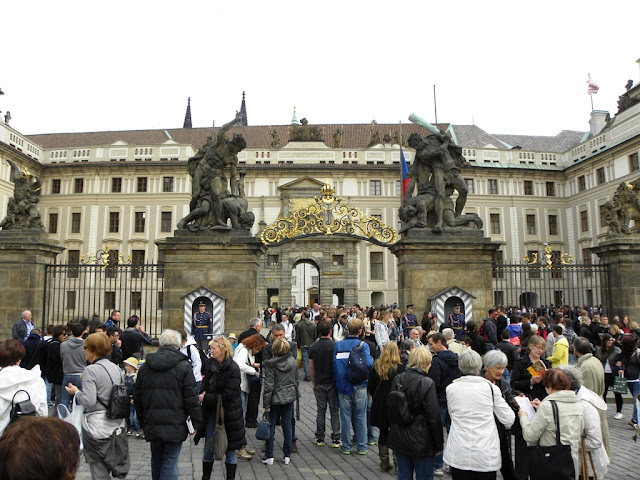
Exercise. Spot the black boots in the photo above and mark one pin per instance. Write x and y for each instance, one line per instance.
(207, 468)
(231, 470)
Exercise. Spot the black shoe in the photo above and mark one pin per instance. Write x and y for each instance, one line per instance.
(294, 448)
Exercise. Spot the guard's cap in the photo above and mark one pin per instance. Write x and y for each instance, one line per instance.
(202, 304)
(457, 305)
(410, 305)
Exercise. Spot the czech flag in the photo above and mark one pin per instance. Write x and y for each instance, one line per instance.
(405, 173)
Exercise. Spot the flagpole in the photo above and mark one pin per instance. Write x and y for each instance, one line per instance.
(401, 185)
(591, 94)
(435, 106)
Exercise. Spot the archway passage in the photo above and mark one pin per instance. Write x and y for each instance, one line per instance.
(327, 215)
(305, 283)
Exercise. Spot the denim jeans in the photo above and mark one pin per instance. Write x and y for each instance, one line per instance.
(47, 385)
(507, 377)
(304, 351)
(353, 409)
(73, 379)
(164, 459)
(371, 430)
(446, 422)
(245, 400)
(327, 395)
(133, 419)
(634, 387)
(207, 454)
(422, 466)
(286, 412)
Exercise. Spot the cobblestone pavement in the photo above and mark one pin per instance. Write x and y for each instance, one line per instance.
(324, 463)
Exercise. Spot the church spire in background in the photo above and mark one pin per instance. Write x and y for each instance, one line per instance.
(187, 116)
(243, 113)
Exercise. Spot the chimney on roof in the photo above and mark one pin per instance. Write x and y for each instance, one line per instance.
(187, 116)
(598, 121)
(243, 113)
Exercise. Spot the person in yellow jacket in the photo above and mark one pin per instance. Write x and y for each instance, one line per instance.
(560, 355)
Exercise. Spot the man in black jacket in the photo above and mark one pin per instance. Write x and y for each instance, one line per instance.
(444, 370)
(251, 417)
(165, 395)
(133, 338)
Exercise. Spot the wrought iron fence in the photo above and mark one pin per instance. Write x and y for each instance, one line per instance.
(82, 290)
(537, 284)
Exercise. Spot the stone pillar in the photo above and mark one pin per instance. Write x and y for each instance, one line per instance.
(23, 257)
(622, 255)
(223, 260)
(429, 263)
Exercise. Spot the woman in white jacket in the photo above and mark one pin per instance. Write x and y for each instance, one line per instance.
(245, 357)
(13, 378)
(473, 445)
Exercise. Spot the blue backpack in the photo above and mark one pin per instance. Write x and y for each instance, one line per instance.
(357, 368)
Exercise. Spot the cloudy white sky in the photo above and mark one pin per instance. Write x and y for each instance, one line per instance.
(508, 66)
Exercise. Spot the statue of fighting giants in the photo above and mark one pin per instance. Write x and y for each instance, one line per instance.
(22, 209)
(624, 207)
(212, 204)
(436, 172)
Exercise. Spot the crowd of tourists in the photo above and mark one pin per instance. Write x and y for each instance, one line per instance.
(387, 379)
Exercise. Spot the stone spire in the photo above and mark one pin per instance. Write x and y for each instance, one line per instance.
(187, 116)
(243, 113)
(294, 119)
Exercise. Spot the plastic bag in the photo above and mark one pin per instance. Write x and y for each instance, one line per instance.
(74, 417)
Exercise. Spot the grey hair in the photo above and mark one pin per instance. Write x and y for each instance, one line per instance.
(575, 375)
(277, 327)
(448, 333)
(470, 363)
(255, 321)
(170, 338)
(495, 358)
(582, 345)
(24, 314)
(409, 343)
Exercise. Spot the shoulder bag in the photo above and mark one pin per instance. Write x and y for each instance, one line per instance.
(554, 461)
(220, 441)
(263, 432)
(619, 384)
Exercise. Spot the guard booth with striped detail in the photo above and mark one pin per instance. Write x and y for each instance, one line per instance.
(215, 305)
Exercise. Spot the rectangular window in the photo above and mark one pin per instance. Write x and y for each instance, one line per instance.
(55, 186)
(167, 184)
(375, 187)
(338, 260)
(53, 223)
(494, 220)
(582, 183)
(584, 221)
(116, 185)
(71, 299)
(160, 300)
(498, 297)
(600, 175)
(273, 260)
(114, 222)
(492, 186)
(109, 300)
(553, 225)
(112, 268)
(634, 165)
(136, 300)
(73, 258)
(469, 182)
(534, 270)
(531, 224)
(75, 222)
(498, 259)
(314, 280)
(528, 187)
(137, 258)
(142, 184)
(398, 188)
(165, 222)
(78, 185)
(139, 218)
(376, 265)
(603, 216)
(556, 272)
(551, 189)
(377, 216)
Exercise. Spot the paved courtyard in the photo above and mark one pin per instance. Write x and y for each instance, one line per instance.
(324, 463)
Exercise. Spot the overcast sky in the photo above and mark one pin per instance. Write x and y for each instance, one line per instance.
(507, 66)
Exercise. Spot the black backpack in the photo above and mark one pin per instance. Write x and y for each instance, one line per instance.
(203, 358)
(25, 408)
(398, 410)
(357, 368)
(119, 401)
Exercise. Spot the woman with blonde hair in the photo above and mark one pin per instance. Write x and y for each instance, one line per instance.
(384, 369)
(394, 325)
(381, 329)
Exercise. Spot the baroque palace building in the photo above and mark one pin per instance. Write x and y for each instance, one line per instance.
(128, 189)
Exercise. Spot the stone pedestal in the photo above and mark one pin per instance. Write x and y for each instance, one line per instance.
(429, 263)
(225, 261)
(622, 255)
(23, 257)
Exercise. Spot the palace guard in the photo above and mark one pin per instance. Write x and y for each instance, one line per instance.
(202, 326)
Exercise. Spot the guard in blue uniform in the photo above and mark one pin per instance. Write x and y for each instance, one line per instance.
(457, 322)
(202, 326)
(408, 321)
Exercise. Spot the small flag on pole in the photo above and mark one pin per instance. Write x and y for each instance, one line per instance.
(592, 88)
(405, 172)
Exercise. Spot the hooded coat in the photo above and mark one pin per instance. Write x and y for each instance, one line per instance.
(72, 354)
(14, 378)
(280, 381)
(444, 370)
(165, 395)
(222, 381)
